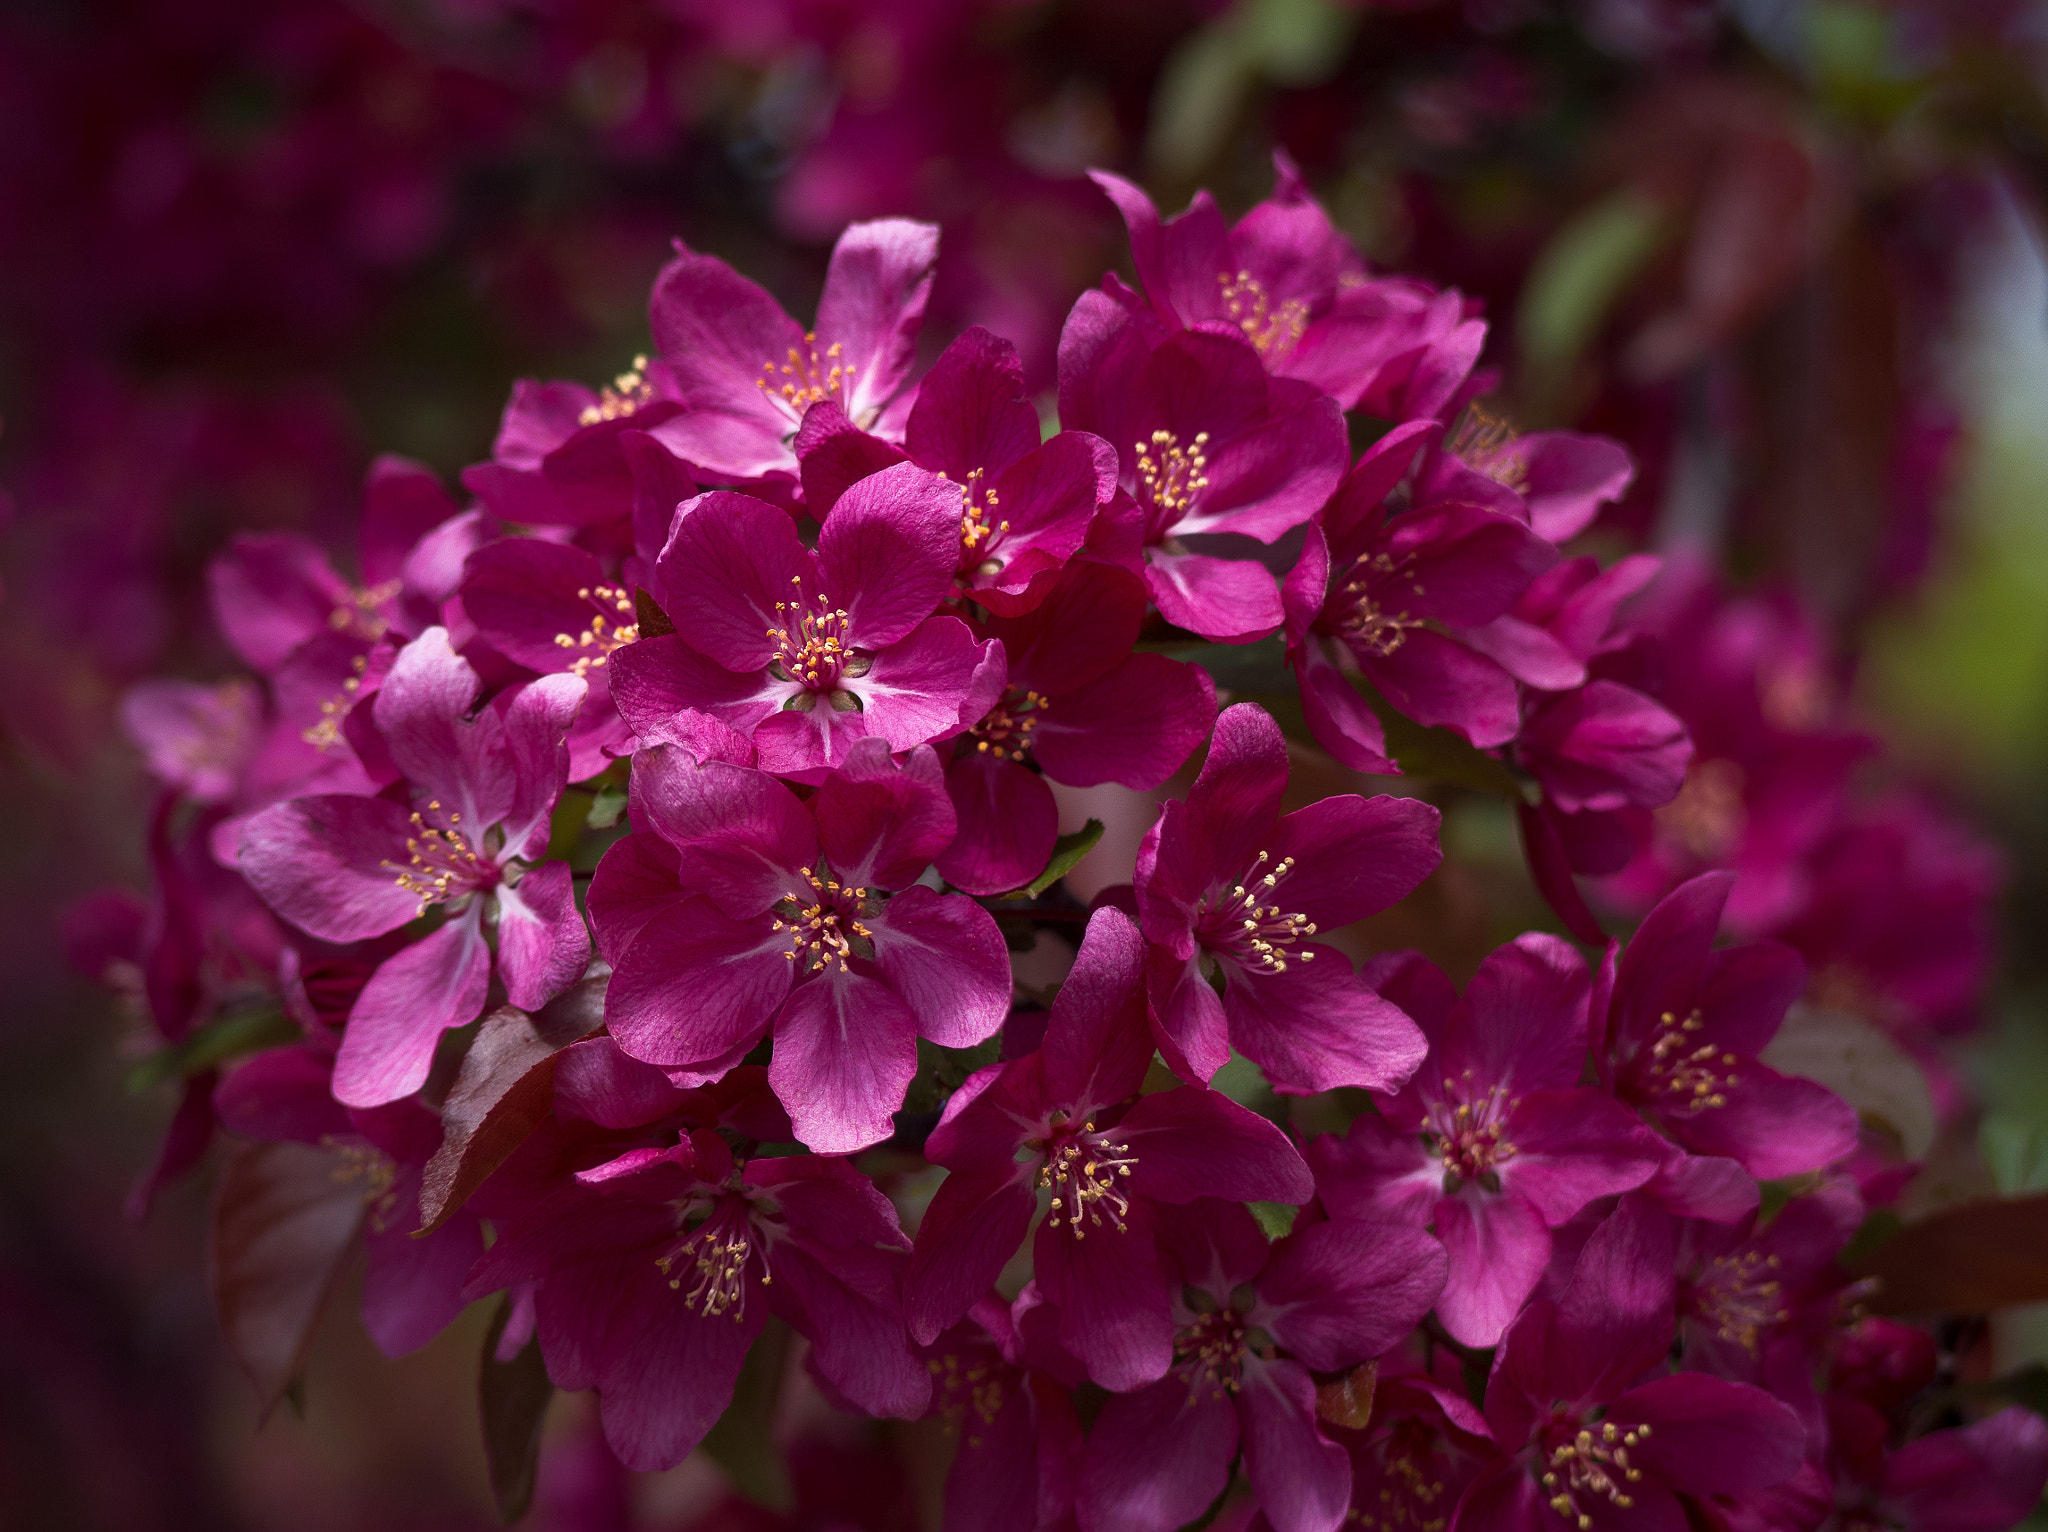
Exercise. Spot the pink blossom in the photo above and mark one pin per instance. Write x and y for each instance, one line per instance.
(737, 908)
(1064, 1117)
(807, 652)
(1228, 885)
(344, 867)
(1493, 1143)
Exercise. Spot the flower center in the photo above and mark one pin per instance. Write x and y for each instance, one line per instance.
(1675, 1067)
(1006, 732)
(1739, 1295)
(1212, 1352)
(1468, 1139)
(1273, 332)
(1368, 617)
(374, 1169)
(823, 923)
(980, 530)
(971, 1389)
(806, 378)
(714, 1258)
(1082, 1169)
(1172, 475)
(624, 395)
(1585, 1465)
(442, 863)
(1486, 444)
(1409, 1502)
(325, 734)
(358, 614)
(1708, 815)
(1258, 935)
(812, 652)
(611, 628)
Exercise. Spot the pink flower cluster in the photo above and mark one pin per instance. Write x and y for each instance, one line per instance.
(639, 855)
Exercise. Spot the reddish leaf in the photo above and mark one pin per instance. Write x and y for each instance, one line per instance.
(284, 1222)
(1970, 1259)
(501, 1092)
(1347, 1401)
(513, 1397)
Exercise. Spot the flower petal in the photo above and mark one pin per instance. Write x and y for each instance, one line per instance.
(845, 1052)
(420, 992)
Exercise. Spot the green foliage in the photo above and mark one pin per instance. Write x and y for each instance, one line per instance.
(225, 1037)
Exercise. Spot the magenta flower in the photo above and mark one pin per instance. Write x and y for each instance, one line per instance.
(1684, 1029)
(1556, 481)
(1294, 287)
(412, 1287)
(806, 652)
(1983, 1477)
(1425, 1442)
(272, 591)
(1227, 885)
(1062, 1117)
(1493, 1143)
(1761, 1305)
(548, 607)
(1589, 1440)
(737, 908)
(746, 373)
(1020, 1440)
(1025, 506)
(570, 456)
(1378, 590)
(1208, 445)
(343, 867)
(1252, 1322)
(655, 1271)
(1081, 707)
(197, 739)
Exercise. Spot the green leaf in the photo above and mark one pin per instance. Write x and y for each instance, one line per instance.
(1067, 852)
(1443, 756)
(606, 808)
(941, 1071)
(1276, 1218)
(1207, 78)
(2016, 1149)
(223, 1038)
(1576, 280)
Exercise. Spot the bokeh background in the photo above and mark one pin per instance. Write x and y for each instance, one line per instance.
(1789, 250)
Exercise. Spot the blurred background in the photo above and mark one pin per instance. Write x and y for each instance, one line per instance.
(1789, 251)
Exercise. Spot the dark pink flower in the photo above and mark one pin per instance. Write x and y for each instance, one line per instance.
(1227, 885)
(654, 1271)
(746, 373)
(1983, 1477)
(344, 867)
(196, 738)
(1026, 506)
(1081, 707)
(806, 652)
(1379, 590)
(1683, 1031)
(1062, 1117)
(1493, 1143)
(1556, 481)
(548, 607)
(1594, 1437)
(1208, 447)
(1424, 1444)
(1295, 288)
(412, 1287)
(737, 908)
(272, 591)
(1252, 1321)
(1020, 1440)
(567, 455)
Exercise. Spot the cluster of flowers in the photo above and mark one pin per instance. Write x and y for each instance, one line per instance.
(674, 1035)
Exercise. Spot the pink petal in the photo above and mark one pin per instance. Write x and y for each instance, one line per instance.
(730, 562)
(873, 303)
(543, 945)
(881, 823)
(1302, 1480)
(945, 958)
(1497, 1245)
(1008, 822)
(1156, 1458)
(888, 551)
(328, 865)
(696, 986)
(1318, 1026)
(845, 1052)
(420, 992)
(1135, 726)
